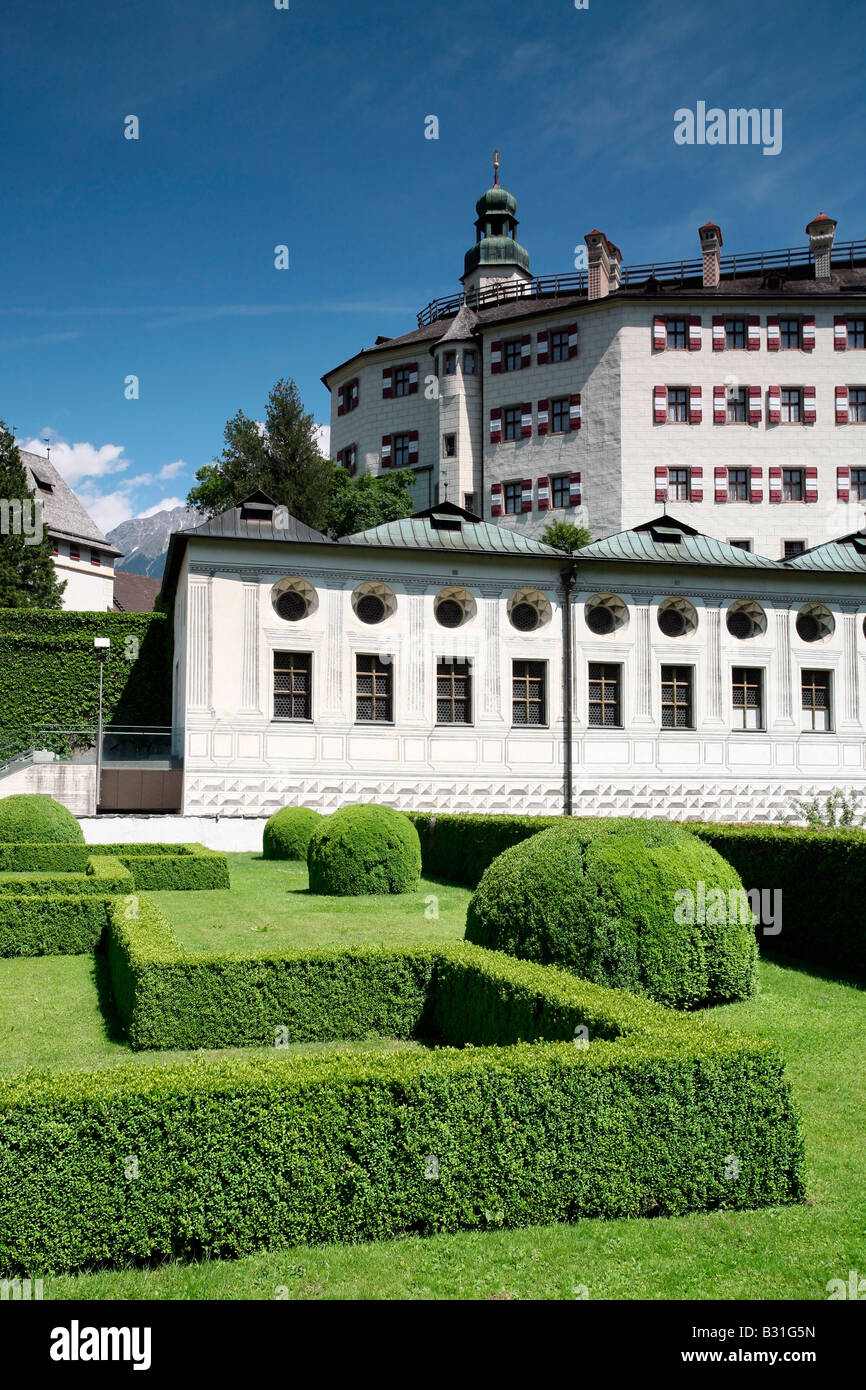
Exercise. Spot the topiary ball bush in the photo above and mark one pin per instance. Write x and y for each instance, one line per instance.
(32, 819)
(287, 833)
(364, 849)
(619, 902)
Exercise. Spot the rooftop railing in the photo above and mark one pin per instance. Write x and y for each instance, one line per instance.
(574, 282)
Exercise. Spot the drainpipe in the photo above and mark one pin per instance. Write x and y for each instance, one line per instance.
(567, 578)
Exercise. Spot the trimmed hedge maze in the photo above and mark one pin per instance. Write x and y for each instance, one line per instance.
(573, 1100)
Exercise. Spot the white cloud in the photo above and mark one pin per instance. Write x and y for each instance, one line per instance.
(81, 460)
(107, 509)
(171, 470)
(167, 504)
(323, 440)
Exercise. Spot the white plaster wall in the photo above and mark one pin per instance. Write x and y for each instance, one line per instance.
(72, 784)
(89, 588)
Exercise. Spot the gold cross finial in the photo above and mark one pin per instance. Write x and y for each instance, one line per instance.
(495, 168)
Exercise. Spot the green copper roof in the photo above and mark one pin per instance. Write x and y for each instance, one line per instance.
(446, 528)
(846, 555)
(669, 542)
(496, 228)
(496, 250)
(496, 199)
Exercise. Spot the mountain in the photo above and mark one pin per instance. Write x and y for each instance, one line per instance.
(144, 539)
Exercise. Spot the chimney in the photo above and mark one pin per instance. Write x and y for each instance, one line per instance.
(615, 266)
(598, 262)
(711, 244)
(821, 233)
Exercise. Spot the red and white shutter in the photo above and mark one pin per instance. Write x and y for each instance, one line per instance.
(720, 408)
(696, 410)
(574, 412)
(526, 420)
(756, 484)
(496, 425)
(526, 350)
(354, 386)
(808, 332)
(341, 400)
(811, 485)
(774, 338)
(660, 333)
(755, 405)
(543, 416)
(339, 458)
(660, 404)
(661, 484)
(843, 484)
(353, 460)
(526, 495)
(720, 483)
(542, 347)
(775, 484)
(753, 337)
(840, 332)
(696, 484)
(387, 383)
(544, 494)
(841, 405)
(413, 378)
(572, 340)
(809, 407)
(386, 451)
(496, 357)
(718, 332)
(694, 333)
(495, 499)
(413, 447)
(574, 490)
(775, 394)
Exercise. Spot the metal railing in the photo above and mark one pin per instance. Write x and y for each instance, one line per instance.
(121, 743)
(575, 282)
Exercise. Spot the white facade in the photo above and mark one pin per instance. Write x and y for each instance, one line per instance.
(83, 557)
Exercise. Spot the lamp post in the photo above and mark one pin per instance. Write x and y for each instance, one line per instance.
(101, 645)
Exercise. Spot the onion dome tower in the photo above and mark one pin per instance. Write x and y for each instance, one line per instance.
(497, 254)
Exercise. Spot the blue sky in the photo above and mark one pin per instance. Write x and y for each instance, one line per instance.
(305, 127)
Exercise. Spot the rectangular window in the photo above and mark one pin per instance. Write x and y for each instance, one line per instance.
(790, 333)
(747, 689)
(74, 552)
(678, 333)
(94, 557)
(374, 690)
(528, 692)
(678, 484)
(511, 416)
(735, 333)
(559, 345)
(513, 351)
(401, 450)
(856, 331)
(792, 485)
(401, 381)
(559, 416)
(560, 490)
(604, 695)
(511, 496)
(677, 697)
(817, 714)
(469, 362)
(858, 484)
(738, 484)
(453, 692)
(293, 685)
(350, 457)
(741, 545)
(450, 363)
(737, 406)
(469, 502)
(678, 405)
(856, 405)
(449, 446)
(792, 548)
(791, 405)
(350, 394)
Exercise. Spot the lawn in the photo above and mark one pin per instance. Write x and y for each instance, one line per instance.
(269, 905)
(56, 1012)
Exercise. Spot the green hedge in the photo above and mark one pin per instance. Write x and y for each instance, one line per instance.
(37, 859)
(49, 680)
(37, 819)
(821, 875)
(460, 847)
(288, 832)
(188, 867)
(243, 1154)
(55, 925)
(364, 849)
(104, 875)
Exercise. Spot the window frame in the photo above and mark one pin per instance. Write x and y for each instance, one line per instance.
(558, 345)
(675, 484)
(292, 692)
(402, 379)
(604, 680)
(784, 332)
(470, 361)
(512, 355)
(858, 330)
(452, 440)
(745, 685)
(560, 483)
(512, 491)
(735, 327)
(816, 671)
(859, 404)
(512, 419)
(677, 391)
(397, 445)
(788, 483)
(676, 682)
(383, 668)
(525, 699)
(796, 402)
(858, 486)
(737, 399)
(791, 541)
(560, 405)
(452, 675)
(735, 483)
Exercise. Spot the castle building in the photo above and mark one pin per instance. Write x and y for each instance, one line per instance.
(730, 389)
(83, 557)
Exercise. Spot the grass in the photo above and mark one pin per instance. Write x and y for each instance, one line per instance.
(269, 904)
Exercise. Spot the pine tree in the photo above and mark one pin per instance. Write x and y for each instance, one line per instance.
(28, 578)
(356, 504)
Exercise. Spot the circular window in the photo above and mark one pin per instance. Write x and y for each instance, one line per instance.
(449, 613)
(605, 613)
(529, 609)
(454, 606)
(677, 618)
(373, 602)
(745, 619)
(815, 622)
(294, 599)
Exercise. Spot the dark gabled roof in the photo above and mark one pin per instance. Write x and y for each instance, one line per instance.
(62, 512)
(666, 541)
(135, 593)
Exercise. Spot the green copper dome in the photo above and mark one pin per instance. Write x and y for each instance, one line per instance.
(496, 199)
(496, 225)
